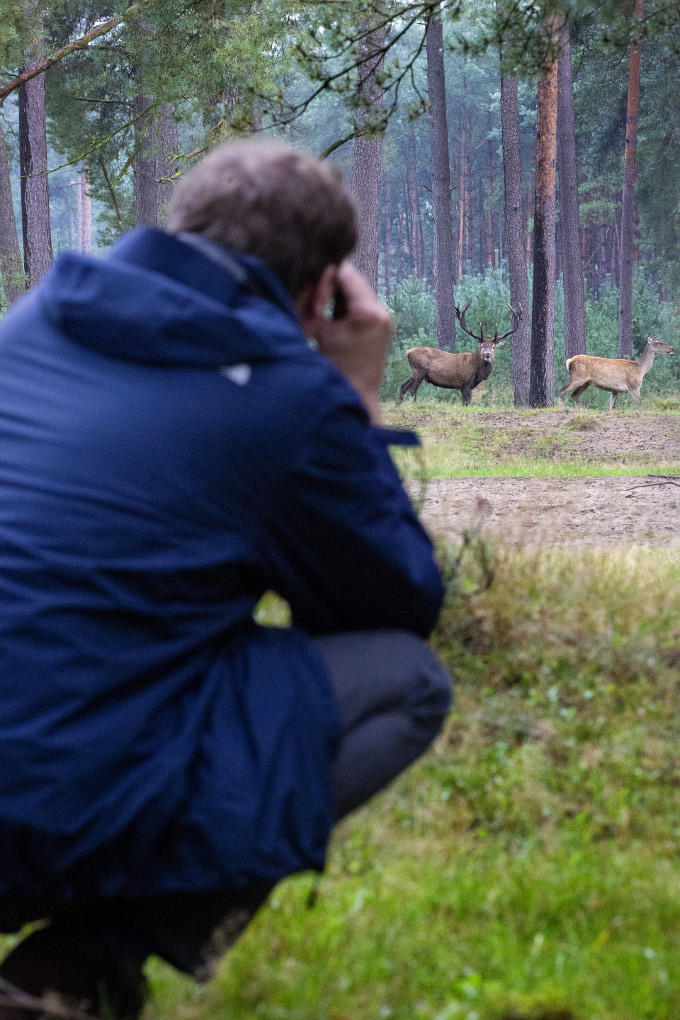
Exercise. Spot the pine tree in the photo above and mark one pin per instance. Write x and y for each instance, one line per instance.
(543, 297)
(628, 200)
(441, 186)
(572, 264)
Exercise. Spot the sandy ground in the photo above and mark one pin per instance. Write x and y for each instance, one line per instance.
(595, 512)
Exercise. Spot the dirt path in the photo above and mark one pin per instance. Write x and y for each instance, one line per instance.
(595, 512)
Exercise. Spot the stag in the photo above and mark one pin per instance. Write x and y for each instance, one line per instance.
(456, 371)
(617, 375)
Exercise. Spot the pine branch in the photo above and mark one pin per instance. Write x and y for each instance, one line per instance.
(77, 44)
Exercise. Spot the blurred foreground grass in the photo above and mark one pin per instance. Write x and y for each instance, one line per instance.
(527, 867)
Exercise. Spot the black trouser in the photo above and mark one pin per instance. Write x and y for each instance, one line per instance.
(392, 696)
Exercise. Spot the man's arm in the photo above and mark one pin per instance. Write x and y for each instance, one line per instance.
(345, 547)
(357, 338)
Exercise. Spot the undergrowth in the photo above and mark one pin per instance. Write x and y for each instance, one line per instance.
(527, 867)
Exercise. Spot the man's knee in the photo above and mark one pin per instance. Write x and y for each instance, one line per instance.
(379, 671)
(426, 685)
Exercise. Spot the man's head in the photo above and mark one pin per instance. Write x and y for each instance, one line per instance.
(267, 199)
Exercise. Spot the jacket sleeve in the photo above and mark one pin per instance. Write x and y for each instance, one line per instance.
(344, 545)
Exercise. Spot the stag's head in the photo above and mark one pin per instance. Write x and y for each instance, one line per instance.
(488, 343)
(659, 346)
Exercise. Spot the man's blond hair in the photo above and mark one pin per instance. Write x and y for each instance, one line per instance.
(268, 199)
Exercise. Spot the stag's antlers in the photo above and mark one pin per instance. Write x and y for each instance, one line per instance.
(516, 317)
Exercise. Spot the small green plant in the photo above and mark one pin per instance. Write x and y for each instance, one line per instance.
(582, 423)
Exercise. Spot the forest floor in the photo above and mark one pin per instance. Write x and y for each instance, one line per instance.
(565, 504)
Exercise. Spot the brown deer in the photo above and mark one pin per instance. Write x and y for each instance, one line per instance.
(456, 371)
(617, 375)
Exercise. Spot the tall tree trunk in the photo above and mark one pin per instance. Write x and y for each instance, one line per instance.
(409, 233)
(628, 203)
(417, 211)
(11, 263)
(441, 186)
(481, 224)
(543, 306)
(387, 250)
(516, 238)
(367, 158)
(416, 219)
(572, 267)
(35, 195)
(462, 206)
(491, 187)
(399, 224)
(156, 141)
(84, 212)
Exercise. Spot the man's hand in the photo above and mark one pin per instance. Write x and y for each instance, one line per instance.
(357, 340)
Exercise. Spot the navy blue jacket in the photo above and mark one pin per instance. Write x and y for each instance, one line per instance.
(170, 449)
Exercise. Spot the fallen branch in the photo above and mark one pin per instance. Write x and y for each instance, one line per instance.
(656, 480)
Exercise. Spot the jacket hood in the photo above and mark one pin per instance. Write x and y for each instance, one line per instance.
(158, 299)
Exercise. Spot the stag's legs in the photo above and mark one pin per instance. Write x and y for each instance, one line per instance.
(411, 386)
(575, 388)
(581, 389)
(613, 397)
(635, 394)
(416, 385)
(405, 387)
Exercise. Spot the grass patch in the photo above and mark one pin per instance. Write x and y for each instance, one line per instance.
(582, 423)
(539, 443)
(526, 868)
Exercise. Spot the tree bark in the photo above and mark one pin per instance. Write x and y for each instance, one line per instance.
(84, 213)
(462, 206)
(35, 196)
(11, 263)
(491, 185)
(441, 186)
(543, 306)
(416, 224)
(156, 141)
(572, 266)
(516, 239)
(387, 250)
(628, 200)
(367, 158)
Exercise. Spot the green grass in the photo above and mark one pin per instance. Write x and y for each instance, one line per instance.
(527, 866)
(504, 442)
(452, 464)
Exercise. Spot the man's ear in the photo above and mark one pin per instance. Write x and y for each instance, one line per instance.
(314, 300)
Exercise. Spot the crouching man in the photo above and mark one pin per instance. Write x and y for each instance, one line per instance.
(171, 447)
